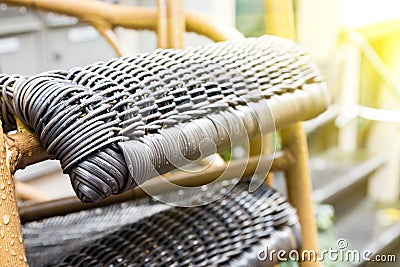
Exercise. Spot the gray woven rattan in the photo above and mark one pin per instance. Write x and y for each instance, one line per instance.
(115, 124)
(228, 232)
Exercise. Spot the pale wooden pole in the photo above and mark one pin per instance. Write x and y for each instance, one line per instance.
(170, 24)
(11, 242)
(280, 22)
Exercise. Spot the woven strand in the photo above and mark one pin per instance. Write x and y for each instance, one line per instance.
(227, 232)
(150, 109)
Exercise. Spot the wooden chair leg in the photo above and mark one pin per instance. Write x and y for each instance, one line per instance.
(270, 179)
(263, 145)
(11, 244)
(299, 188)
(170, 24)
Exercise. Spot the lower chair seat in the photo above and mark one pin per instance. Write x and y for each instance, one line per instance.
(230, 231)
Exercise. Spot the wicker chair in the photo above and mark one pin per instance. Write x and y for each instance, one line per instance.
(116, 124)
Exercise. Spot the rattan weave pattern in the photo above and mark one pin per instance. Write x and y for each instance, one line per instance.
(227, 232)
(116, 124)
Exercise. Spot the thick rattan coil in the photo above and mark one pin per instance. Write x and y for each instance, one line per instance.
(228, 232)
(115, 124)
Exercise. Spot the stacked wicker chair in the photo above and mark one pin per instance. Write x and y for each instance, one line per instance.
(232, 231)
(114, 125)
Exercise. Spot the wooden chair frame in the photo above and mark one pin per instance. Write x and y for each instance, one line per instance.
(170, 21)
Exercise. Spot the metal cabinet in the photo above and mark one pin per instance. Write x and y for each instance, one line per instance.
(20, 53)
(20, 41)
(68, 47)
(69, 43)
(32, 42)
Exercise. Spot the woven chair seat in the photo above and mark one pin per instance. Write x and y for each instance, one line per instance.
(228, 232)
(113, 125)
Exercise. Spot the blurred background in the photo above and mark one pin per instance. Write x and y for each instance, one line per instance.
(354, 146)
